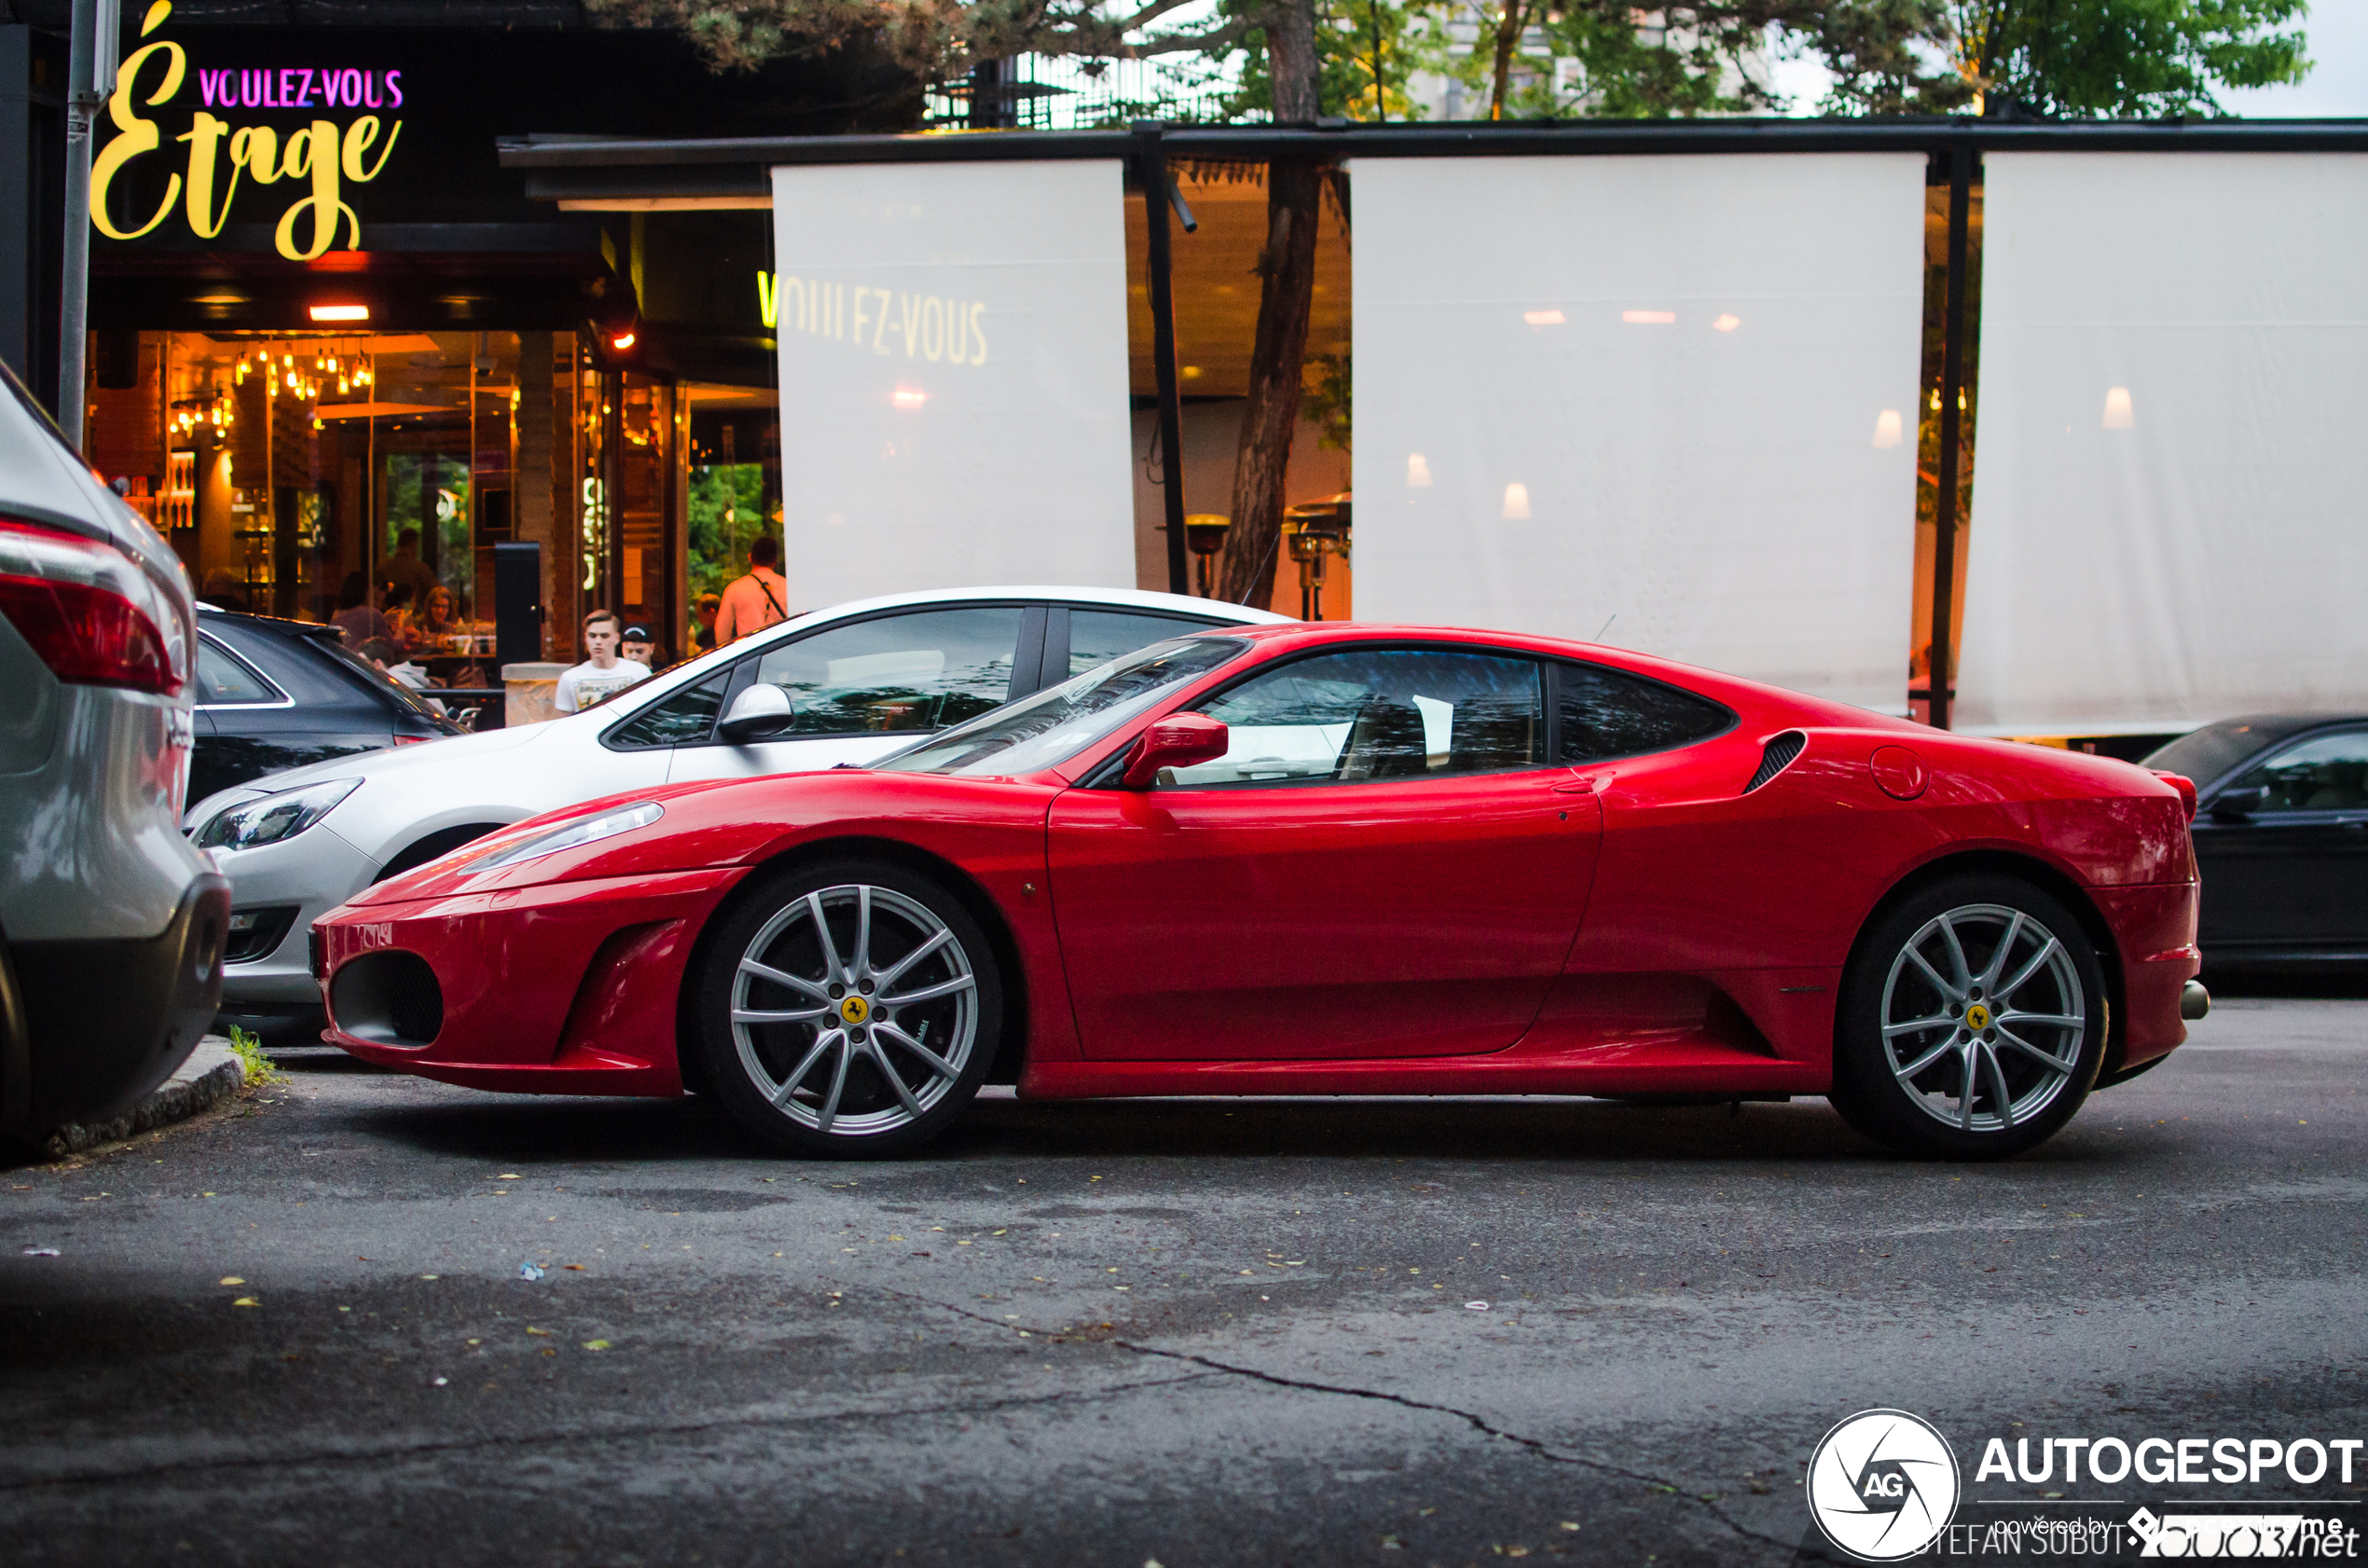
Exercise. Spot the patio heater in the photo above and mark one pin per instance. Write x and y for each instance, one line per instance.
(1315, 531)
(1205, 536)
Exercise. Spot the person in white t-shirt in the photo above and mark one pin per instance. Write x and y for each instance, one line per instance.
(602, 674)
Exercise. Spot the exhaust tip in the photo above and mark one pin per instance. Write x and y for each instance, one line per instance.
(2194, 1000)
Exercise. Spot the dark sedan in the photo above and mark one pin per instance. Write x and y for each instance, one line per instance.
(275, 695)
(2281, 837)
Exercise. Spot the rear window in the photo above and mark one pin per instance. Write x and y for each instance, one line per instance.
(1607, 714)
(379, 681)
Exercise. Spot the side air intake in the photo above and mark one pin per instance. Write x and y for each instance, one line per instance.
(1777, 756)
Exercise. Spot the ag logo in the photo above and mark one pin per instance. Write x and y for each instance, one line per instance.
(1882, 1485)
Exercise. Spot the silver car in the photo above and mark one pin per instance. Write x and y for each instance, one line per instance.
(111, 922)
(842, 685)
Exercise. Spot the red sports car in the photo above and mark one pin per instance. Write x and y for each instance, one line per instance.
(1322, 859)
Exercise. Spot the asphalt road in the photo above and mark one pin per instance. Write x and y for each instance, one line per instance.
(1183, 1332)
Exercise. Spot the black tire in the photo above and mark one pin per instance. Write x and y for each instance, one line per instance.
(2034, 1049)
(903, 1071)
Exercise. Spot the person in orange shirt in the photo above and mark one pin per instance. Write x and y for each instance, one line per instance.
(756, 601)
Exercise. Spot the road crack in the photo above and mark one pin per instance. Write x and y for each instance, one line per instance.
(1536, 1446)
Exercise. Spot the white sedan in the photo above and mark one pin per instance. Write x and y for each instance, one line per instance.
(847, 685)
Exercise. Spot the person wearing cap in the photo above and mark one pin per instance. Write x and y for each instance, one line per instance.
(639, 646)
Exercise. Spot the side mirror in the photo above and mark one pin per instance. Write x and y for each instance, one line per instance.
(2234, 806)
(1178, 740)
(759, 714)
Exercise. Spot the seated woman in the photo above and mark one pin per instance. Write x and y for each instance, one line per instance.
(427, 631)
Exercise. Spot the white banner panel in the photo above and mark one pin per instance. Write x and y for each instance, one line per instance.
(2167, 517)
(954, 377)
(1667, 400)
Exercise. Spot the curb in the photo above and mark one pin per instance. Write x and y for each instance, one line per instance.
(211, 1075)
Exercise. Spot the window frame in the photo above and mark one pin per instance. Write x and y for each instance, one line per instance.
(282, 698)
(1108, 773)
(1054, 666)
(741, 673)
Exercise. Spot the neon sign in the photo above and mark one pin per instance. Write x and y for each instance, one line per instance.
(326, 156)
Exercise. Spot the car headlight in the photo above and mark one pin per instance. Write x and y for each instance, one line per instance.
(275, 817)
(575, 835)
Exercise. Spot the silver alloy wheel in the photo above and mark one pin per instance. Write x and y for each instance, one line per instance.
(1984, 1017)
(872, 1013)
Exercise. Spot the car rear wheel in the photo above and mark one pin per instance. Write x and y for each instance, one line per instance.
(1973, 1021)
(847, 1011)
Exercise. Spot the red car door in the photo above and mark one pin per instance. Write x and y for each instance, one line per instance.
(1384, 865)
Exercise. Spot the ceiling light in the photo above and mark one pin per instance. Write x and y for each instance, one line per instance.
(1728, 323)
(622, 341)
(1543, 318)
(340, 312)
(909, 398)
(1648, 318)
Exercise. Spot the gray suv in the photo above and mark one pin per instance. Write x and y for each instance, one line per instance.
(111, 923)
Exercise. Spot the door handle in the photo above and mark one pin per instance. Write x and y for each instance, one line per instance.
(1584, 786)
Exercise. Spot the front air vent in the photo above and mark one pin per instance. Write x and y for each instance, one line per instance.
(1776, 757)
(390, 997)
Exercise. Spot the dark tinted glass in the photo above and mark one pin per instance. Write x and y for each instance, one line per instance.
(680, 720)
(1609, 713)
(1375, 714)
(1098, 635)
(2327, 774)
(222, 679)
(2212, 750)
(922, 671)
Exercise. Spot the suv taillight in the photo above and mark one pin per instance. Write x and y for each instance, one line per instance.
(61, 593)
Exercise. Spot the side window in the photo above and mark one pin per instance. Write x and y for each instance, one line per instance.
(223, 679)
(1380, 713)
(1609, 713)
(2327, 774)
(683, 719)
(1098, 635)
(913, 672)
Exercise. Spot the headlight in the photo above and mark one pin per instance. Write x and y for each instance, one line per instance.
(274, 816)
(575, 835)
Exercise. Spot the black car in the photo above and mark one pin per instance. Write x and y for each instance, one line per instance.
(275, 695)
(2281, 837)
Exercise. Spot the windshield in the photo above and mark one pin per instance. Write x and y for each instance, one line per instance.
(2214, 750)
(1052, 726)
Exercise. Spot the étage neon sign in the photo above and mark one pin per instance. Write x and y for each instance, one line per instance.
(324, 155)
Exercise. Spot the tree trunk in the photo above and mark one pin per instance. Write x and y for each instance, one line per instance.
(1285, 300)
(1508, 38)
(1287, 292)
(1291, 66)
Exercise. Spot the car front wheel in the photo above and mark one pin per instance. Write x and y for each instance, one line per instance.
(1973, 1021)
(847, 1011)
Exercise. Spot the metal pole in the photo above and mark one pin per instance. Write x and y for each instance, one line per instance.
(73, 282)
(1941, 676)
(1152, 164)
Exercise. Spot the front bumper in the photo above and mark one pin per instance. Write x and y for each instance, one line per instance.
(109, 1019)
(565, 988)
(314, 871)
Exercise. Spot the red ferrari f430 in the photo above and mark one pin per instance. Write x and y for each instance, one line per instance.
(1320, 859)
